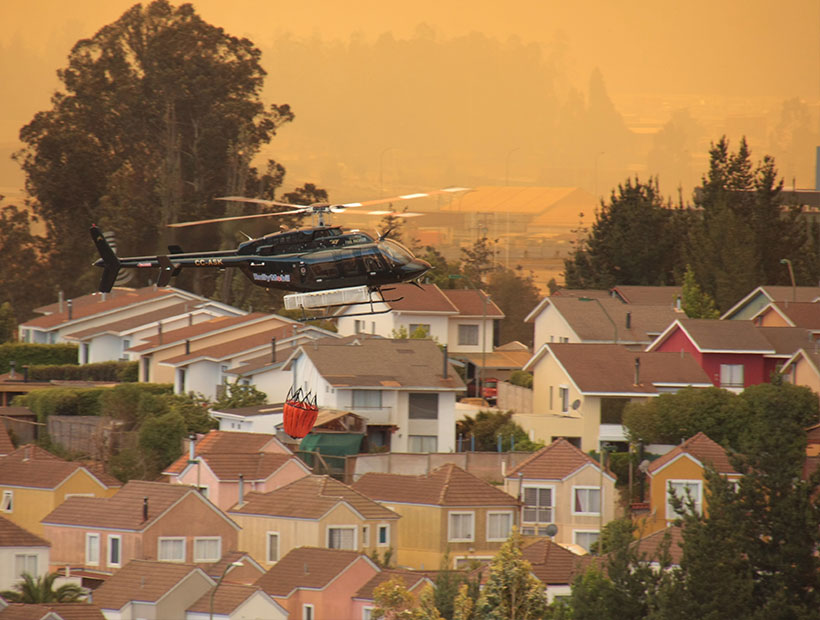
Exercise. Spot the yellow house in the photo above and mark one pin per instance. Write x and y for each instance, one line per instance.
(314, 511)
(446, 509)
(681, 471)
(803, 368)
(33, 482)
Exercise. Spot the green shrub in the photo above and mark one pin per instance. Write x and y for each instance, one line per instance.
(100, 371)
(27, 354)
(521, 378)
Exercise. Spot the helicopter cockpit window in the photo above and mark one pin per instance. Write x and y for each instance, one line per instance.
(395, 252)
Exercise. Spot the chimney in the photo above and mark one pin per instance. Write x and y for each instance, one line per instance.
(444, 365)
(60, 300)
(241, 501)
(12, 367)
(677, 303)
(637, 371)
(70, 310)
(629, 320)
(145, 509)
(273, 350)
(191, 446)
(187, 347)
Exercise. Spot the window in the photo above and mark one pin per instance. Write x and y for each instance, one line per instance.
(114, 550)
(537, 505)
(423, 443)
(415, 327)
(92, 549)
(358, 326)
(341, 537)
(180, 380)
(171, 549)
(422, 406)
(7, 505)
(468, 335)
(683, 490)
(367, 399)
(586, 501)
(207, 549)
(146, 368)
(585, 539)
(365, 536)
(307, 612)
(731, 375)
(461, 527)
(367, 613)
(25, 563)
(499, 525)
(563, 396)
(384, 535)
(273, 547)
(126, 344)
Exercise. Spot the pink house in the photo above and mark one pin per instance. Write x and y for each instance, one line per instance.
(364, 602)
(734, 354)
(312, 583)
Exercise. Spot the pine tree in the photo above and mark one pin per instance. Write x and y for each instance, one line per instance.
(696, 304)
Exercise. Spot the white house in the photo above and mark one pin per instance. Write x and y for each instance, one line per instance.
(20, 552)
(404, 388)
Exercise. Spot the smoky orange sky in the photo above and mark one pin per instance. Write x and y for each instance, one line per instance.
(755, 50)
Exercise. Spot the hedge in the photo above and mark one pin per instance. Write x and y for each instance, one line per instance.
(120, 372)
(27, 354)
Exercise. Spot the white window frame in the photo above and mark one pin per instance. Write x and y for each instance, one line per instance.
(199, 558)
(25, 559)
(365, 536)
(576, 532)
(597, 513)
(354, 528)
(454, 513)
(7, 504)
(163, 539)
(492, 513)
(367, 613)
(383, 527)
(308, 612)
(268, 537)
(92, 559)
(671, 515)
(463, 340)
(524, 486)
(109, 561)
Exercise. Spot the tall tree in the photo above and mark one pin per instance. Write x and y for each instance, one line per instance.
(160, 113)
(515, 293)
(634, 240)
(696, 304)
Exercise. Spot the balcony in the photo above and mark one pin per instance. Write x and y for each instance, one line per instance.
(375, 415)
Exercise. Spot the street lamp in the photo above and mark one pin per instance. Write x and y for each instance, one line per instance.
(786, 261)
(606, 314)
(219, 582)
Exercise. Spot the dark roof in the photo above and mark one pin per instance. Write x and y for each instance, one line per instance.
(801, 313)
(235, 346)
(598, 320)
(649, 295)
(307, 567)
(473, 302)
(712, 335)
(253, 466)
(448, 485)
(649, 546)
(786, 341)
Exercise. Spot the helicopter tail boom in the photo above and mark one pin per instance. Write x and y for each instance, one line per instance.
(111, 264)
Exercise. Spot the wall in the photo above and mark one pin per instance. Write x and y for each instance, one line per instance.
(7, 576)
(514, 397)
(485, 340)
(489, 466)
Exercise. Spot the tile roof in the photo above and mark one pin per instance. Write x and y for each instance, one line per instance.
(649, 295)
(229, 442)
(472, 302)
(649, 546)
(6, 447)
(84, 310)
(92, 298)
(62, 611)
(312, 497)
(198, 329)
(141, 580)
(381, 362)
(253, 466)
(227, 598)
(788, 293)
(134, 322)
(428, 298)
(235, 346)
(308, 567)
(32, 467)
(254, 365)
(593, 321)
(123, 510)
(703, 449)
(610, 368)
(553, 462)
(215, 570)
(552, 563)
(12, 535)
(448, 485)
(411, 579)
(713, 335)
(786, 341)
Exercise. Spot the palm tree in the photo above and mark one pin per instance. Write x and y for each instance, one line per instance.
(41, 590)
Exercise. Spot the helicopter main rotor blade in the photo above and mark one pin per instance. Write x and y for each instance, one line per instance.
(260, 201)
(379, 201)
(236, 217)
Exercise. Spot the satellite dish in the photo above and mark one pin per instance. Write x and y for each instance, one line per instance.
(644, 466)
(551, 530)
(575, 404)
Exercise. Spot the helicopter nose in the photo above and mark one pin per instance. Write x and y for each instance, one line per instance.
(415, 268)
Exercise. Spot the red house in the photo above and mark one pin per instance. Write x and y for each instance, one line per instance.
(734, 354)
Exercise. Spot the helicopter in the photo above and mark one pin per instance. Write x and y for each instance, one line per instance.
(322, 265)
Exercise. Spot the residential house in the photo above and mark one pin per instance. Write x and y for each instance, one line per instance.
(648, 295)
(143, 521)
(234, 601)
(681, 471)
(791, 314)
(33, 482)
(555, 566)
(499, 363)
(270, 419)
(364, 602)
(314, 511)
(563, 486)
(580, 390)
(596, 319)
(182, 341)
(803, 368)
(50, 611)
(762, 296)
(74, 315)
(226, 442)
(462, 319)
(734, 354)
(152, 590)
(405, 388)
(448, 508)
(317, 584)
(20, 552)
(111, 341)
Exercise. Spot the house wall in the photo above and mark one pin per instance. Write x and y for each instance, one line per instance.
(274, 383)
(485, 336)
(202, 377)
(682, 468)
(187, 592)
(104, 348)
(803, 373)
(551, 326)
(380, 324)
(771, 318)
(7, 564)
(68, 546)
